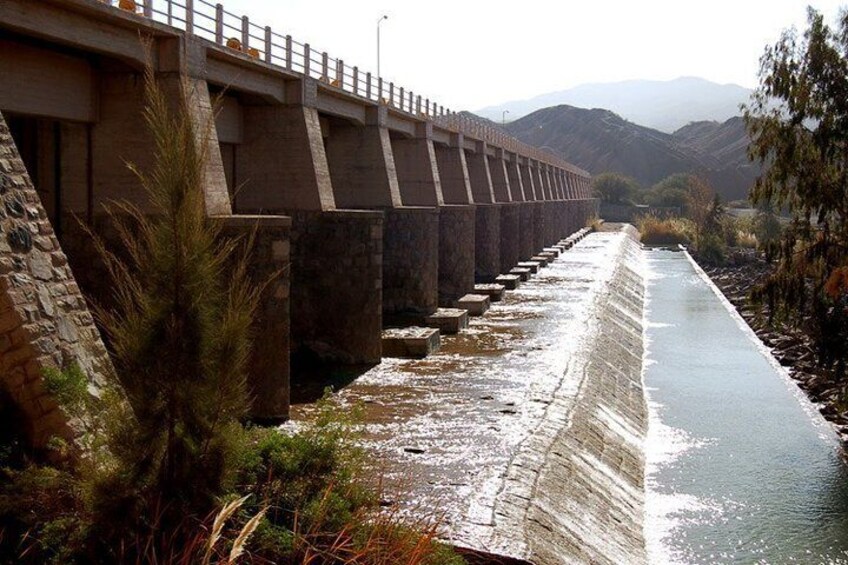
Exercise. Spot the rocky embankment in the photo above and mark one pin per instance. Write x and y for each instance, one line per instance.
(791, 347)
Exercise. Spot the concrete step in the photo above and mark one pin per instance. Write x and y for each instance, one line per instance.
(413, 342)
(494, 291)
(534, 266)
(542, 261)
(448, 320)
(555, 251)
(509, 282)
(476, 304)
(521, 272)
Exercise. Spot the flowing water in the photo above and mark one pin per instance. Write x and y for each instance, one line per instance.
(741, 468)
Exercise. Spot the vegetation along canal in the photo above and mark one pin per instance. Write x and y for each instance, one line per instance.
(740, 466)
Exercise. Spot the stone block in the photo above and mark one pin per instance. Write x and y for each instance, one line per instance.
(541, 259)
(522, 272)
(494, 291)
(448, 320)
(555, 251)
(476, 304)
(534, 266)
(412, 342)
(509, 282)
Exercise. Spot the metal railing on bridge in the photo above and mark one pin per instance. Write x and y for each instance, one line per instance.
(214, 23)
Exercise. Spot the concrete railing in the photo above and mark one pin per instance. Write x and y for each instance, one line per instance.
(212, 22)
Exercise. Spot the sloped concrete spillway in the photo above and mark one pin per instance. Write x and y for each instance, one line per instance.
(526, 430)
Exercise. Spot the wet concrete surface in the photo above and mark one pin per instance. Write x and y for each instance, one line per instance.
(449, 433)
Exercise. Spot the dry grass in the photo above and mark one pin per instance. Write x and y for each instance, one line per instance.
(665, 231)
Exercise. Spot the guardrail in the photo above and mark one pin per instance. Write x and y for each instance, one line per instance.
(211, 21)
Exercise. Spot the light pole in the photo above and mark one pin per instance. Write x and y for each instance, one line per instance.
(384, 17)
(503, 117)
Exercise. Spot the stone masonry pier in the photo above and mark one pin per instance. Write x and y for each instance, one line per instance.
(377, 205)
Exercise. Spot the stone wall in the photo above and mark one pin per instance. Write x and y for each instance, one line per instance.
(456, 253)
(336, 282)
(410, 262)
(268, 380)
(487, 241)
(527, 231)
(539, 229)
(44, 319)
(510, 236)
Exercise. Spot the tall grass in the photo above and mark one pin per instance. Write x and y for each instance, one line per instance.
(665, 231)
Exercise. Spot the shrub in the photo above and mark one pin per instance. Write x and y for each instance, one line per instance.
(664, 231)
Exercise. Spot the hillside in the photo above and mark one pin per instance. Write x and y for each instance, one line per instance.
(662, 105)
(600, 140)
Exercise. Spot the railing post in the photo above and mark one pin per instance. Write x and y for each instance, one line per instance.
(427, 106)
(340, 73)
(391, 94)
(325, 63)
(307, 57)
(288, 53)
(400, 97)
(170, 12)
(379, 89)
(268, 44)
(219, 24)
(418, 104)
(356, 81)
(411, 111)
(368, 85)
(189, 7)
(148, 8)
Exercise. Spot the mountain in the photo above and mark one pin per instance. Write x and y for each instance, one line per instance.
(662, 105)
(601, 141)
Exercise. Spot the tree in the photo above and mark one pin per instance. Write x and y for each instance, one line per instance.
(615, 188)
(704, 208)
(178, 329)
(798, 124)
(670, 192)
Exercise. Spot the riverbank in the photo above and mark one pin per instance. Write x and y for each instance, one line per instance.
(790, 346)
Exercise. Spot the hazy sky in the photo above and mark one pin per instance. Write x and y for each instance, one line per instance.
(470, 54)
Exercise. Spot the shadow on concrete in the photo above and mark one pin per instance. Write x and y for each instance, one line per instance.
(311, 376)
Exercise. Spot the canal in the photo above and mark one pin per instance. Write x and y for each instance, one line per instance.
(741, 468)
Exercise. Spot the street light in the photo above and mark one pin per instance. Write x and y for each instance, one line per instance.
(378, 42)
(503, 117)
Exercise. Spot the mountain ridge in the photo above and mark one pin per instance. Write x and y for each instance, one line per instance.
(663, 105)
(600, 140)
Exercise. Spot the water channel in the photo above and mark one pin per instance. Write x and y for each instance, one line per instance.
(741, 468)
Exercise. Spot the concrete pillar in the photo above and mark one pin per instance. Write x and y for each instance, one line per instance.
(480, 175)
(417, 170)
(540, 231)
(514, 175)
(544, 181)
(510, 245)
(527, 231)
(362, 166)
(487, 237)
(410, 264)
(527, 179)
(500, 178)
(456, 253)
(453, 171)
(281, 161)
(269, 372)
(336, 288)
